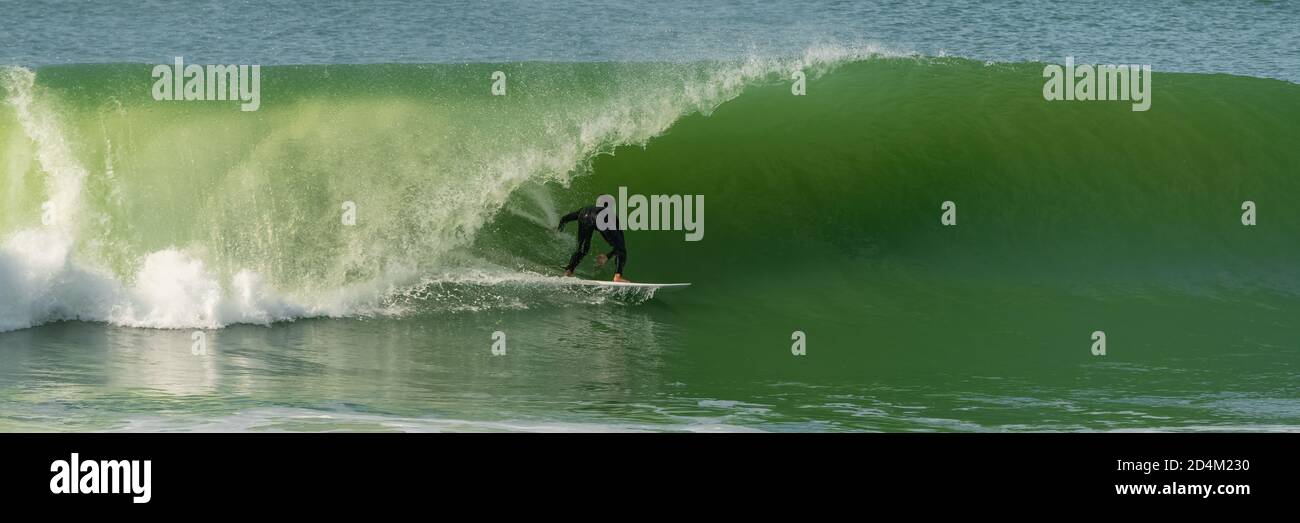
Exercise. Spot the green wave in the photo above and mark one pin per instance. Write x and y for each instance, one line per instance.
(827, 203)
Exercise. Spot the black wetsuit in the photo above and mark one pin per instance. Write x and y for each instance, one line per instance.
(586, 218)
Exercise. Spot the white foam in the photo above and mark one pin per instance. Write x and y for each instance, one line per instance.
(175, 290)
(40, 283)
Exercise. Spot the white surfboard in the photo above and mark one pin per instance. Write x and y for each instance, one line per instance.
(626, 284)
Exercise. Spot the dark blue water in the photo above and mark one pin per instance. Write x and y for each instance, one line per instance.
(1248, 38)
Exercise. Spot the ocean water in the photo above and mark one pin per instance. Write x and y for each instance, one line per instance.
(174, 266)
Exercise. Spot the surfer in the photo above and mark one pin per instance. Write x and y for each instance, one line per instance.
(586, 218)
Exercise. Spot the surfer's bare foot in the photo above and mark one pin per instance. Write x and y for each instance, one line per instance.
(619, 278)
(568, 274)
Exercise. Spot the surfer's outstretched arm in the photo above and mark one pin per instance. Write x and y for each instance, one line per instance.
(566, 219)
(584, 244)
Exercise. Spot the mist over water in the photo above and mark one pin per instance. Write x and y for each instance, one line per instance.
(823, 217)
